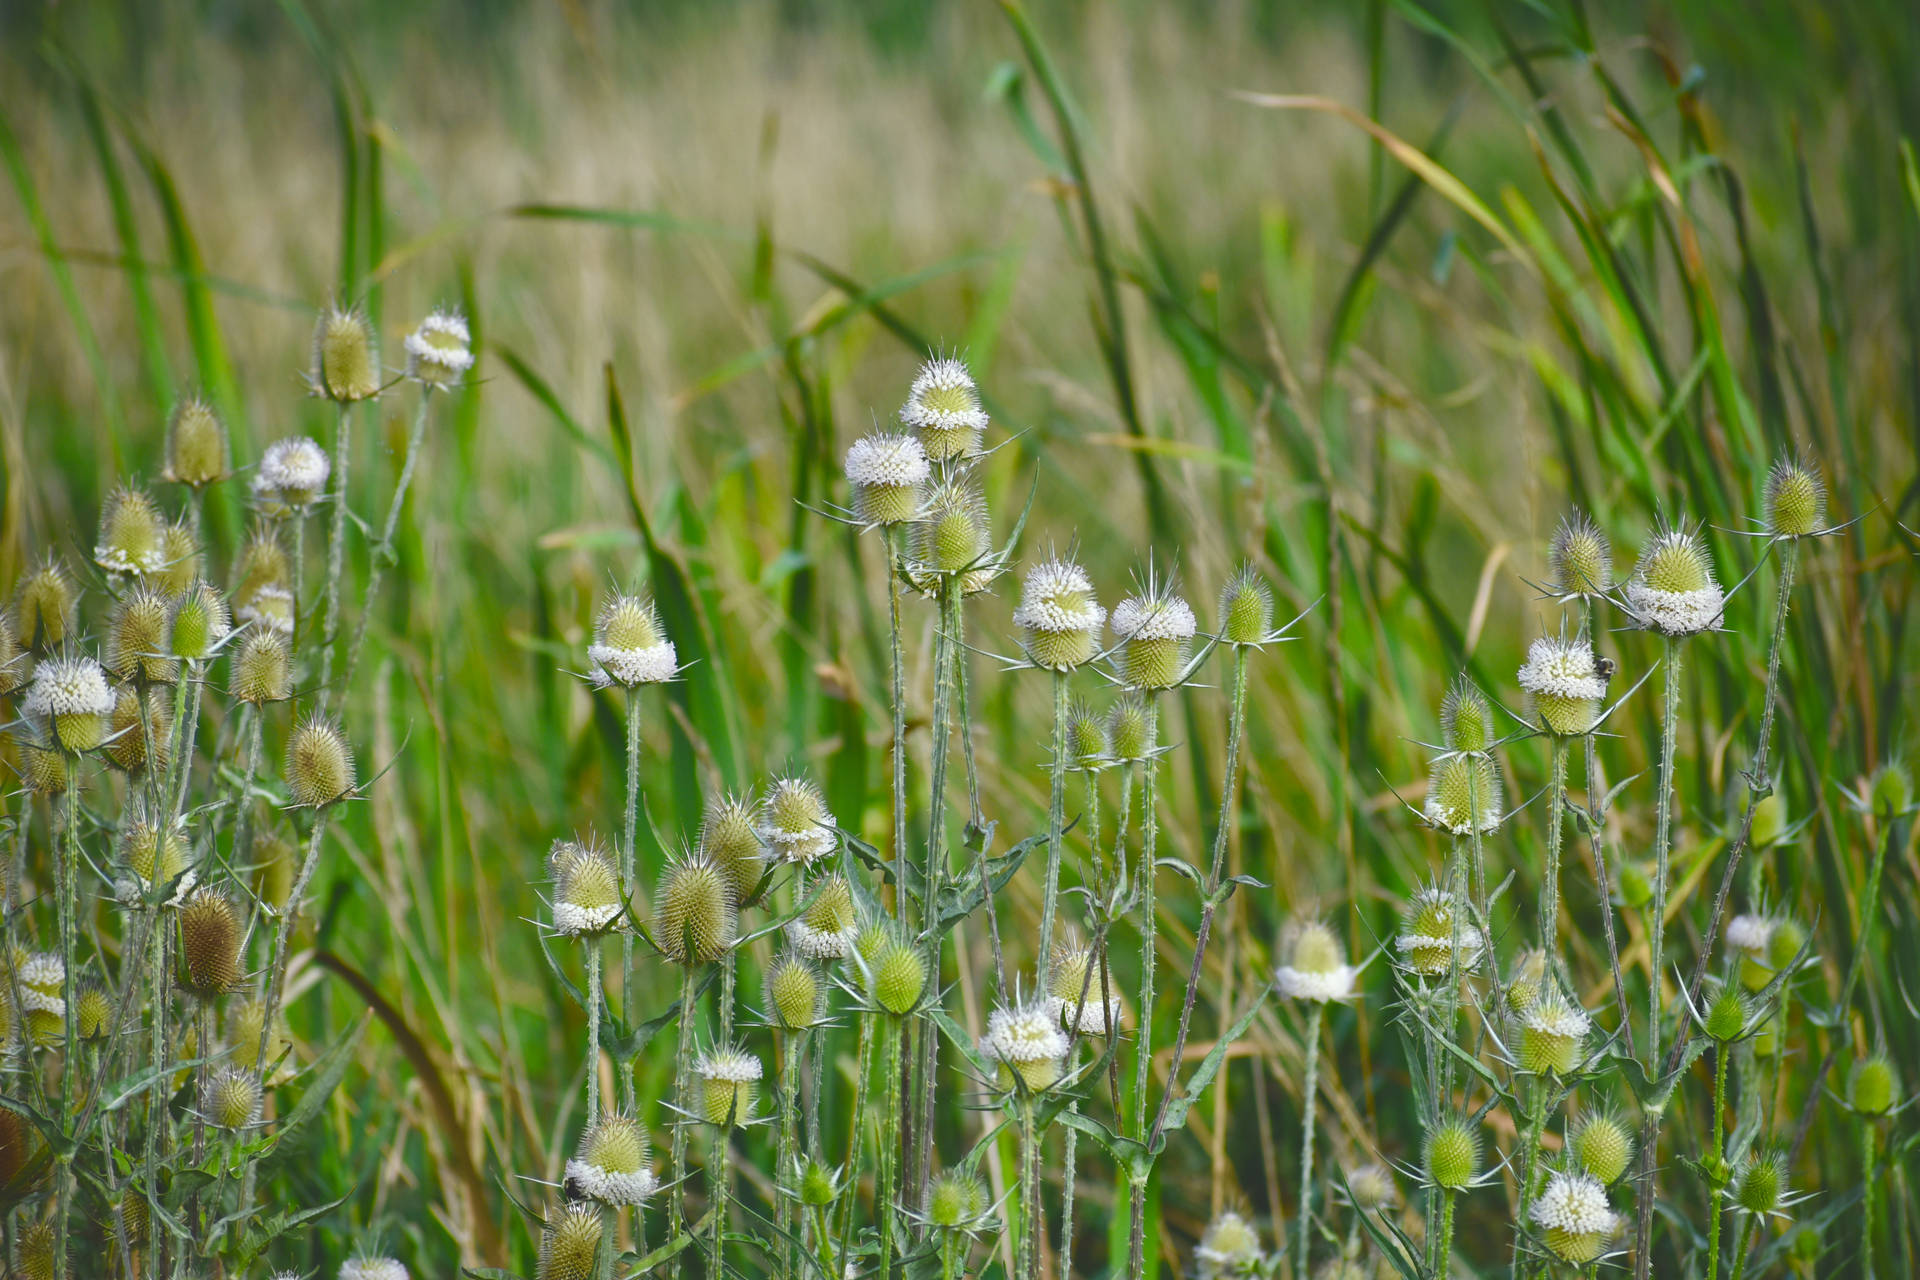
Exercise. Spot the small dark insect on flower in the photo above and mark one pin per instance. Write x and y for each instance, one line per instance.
(1604, 667)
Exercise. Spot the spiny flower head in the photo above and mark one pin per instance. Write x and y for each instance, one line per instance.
(1058, 615)
(730, 836)
(795, 823)
(1553, 1034)
(41, 977)
(827, 928)
(262, 563)
(244, 1019)
(132, 534)
(1027, 1042)
(156, 856)
(1580, 559)
(1890, 789)
(367, 1267)
(729, 1078)
(888, 475)
(137, 638)
(793, 992)
(1228, 1247)
(610, 1164)
(1428, 931)
(1726, 1018)
(196, 443)
(1673, 590)
(180, 552)
(1784, 945)
(210, 938)
(819, 1186)
(43, 769)
(36, 1250)
(1574, 1214)
(957, 1201)
(953, 533)
(200, 621)
(1466, 719)
(1316, 965)
(1130, 729)
(1463, 795)
(629, 647)
(944, 408)
(1529, 973)
(232, 1098)
(1371, 1188)
(1246, 608)
(1873, 1088)
(92, 1013)
(1155, 628)
(14, 665)
(695, 917)
(1761, 1186)
(570, 1246)
(896, 975)
(346, 356)
(1086, 737)
(43, 607)
(1604, 1146)
(440, 351)
(588, 897)
(291, 476)
(320, 769)
(1796, 500)
(70, 694)
(1565, 684)
(262, 669)
(1074, 981)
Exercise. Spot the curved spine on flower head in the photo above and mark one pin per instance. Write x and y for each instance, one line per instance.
(196, 444)
(132, 533)
(1580, 559)
(826, 929)
(346, 356)
(69, 702)
(232, 1099)
(1604, 1146)
(1427, 933)
(695, 916)
(1155, 629)
(795, 997)
(1451, 1153)
(1059, 616)
(588, 897)
(1563, 680)
(1086, 738)
(730, 836)
(888, 476)
(610, 1164)
(943, 409)
(1246, 608)
(629, 645)
(1466, 718)
(795, 823)
(1316, 967)
(1796, 500)
(126, 742)
(1575, 1217)
(1027, 1042)
(953, 535)
(440, 351)
(291, 476)
(199, 622)
(1673, 591)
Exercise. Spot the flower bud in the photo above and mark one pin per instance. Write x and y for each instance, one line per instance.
(694, 916)
(1463, 795)
(1580, 560)
(196, 443)
(319, 764)
(200, 621)
(1086, 738)
(888, 477)
(232, 1098)
(1452, 1154)
(1726, 1017)
(953, 533)
(1603, 1146)
(1891, 789)
(1130, 729)
(1563, 680)
(1796, 500)
(1762, 1184)
(92, 1011)
(795, 824)
(20, 1143)
(1058, 615)
(730, 838)
(956, 1201)
(262, 669)
(1769, 821)
(210, 938)
(127, 737)
(1466, 720)
(132, 534)
(729, 1080)
(43, 608)
(1371, 1188)
(137, 638)
(571, 1244)
(793, 993)
(1872, 1087)
(818, 1187)
(440, 351)
(944, 408)
(1155, 628)
(896, 976)
(346, 356)
(1246, 608)
(1785, 943)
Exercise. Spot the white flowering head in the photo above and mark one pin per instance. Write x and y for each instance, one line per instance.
(133, 534)
(629, 646)
(888, 476)
(1087, 1004)
(1429, 931)
(943, 408)
(1673, 590)
(1230, 1246)
(1058, 615)
(1155, 628)
(795, 823)
(1316, 965)
(69, 697)
(364, 1267)
(1463, 795)
(1553, 1034)
(827, 928)
(41, 978)
(729, 1080)
(291, 476)
(587, 898)
(1574, 1215)
(610, 1165)
(440, 351)
(1562, 678)
(1027, 1042)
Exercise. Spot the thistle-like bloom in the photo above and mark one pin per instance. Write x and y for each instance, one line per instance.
(262, 669)
(200, 621)
(1604, 1146)
(896, 975)
(1228, 1247)
(1796, 500)
(181, 560)
(629, 647)
(1086, 738)
(611, 1163)
(346, 356)
(132, 534)
(196, 443)
(1058, 615)
(1027, 1042)
(571, 1244)
(795, 824)
(1466, 719)
(695, 916)
(1246, 608)
(14, 665)
(1155, 628)
(1873, 1088)
(1761, 1187)
(439, 352)
(43, 607)
(827, 928)
(70, 696)
(729, 1079)
(232, 1098)
(137, 638)
(957, 1201)
(320, 768)
(1673, 590)
(151, 856)
(1371, 1189)
(1574, 1215)
(291, 476)
(730, 836)
(1564, 682)
(587, 897)
(41, 977)
(1580, 559)
(1316, 967)
(1428, 931)
(1553, 1034)
(1074, 981)
(793, 993)
(1129, 730)
(243, 1040)
(888, 475)
(944, 408)
(210, 939)
(365, 1267)
(1529, 973)
(1463, 795)
(954, 533)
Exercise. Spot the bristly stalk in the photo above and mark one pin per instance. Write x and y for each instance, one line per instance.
(1143, 1060)
(593, 1031)
(793, 1051)
(717, 1180)
(336, 546)
(1550, 878)
(1716, 1166)
(1740, 1242)
(384, 552)
(946, 658)
(863, 1062)
(628, 860)
(1443, 1242)
(283, 938)
(682, 1095)
(66, 918)
(899, 700)
(1032, 1224)
(188, 733)
(886, 1189)
(1663, 834)
(1869, 1161)
(1307, 1101)
(1056, 823)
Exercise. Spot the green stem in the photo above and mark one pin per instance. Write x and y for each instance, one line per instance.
(1663, 835)
(886, 1191)
(65, 914)
(158, 1119)
(593, 1032)
(946, 658)
(189, 733)
(787, 1175)
(1716, 1170)
(1870, 1194)
(628, 858)
(384, 551)
(856, 1148)
(1307, 1101)
(683, 1098)
(1740, 1243)
(899, 700)
(1443, 1246)
(249, 771)
(1031, 1224)
(1068, 1179)
(1056, 824)
(283, 938)
(336, 547)
(1530, 1154)
(1550, 880)
(1143, 1060)
(717, 1179)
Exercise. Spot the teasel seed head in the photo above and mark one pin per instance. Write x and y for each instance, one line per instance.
(1761, 1185)
(181, 560)
(1086, 738)
(20, 1147)
(1529, 974)
(571, 1244)
(730, 836)
(944, 408)
(896, 976)
(1073, 980)
(133, 1211)
(588, 896)
(695, 918)
(818, 1186)
(1873, 1088)
(1427, 935)
(126, 742)
(1673, 590)
(210, 938)
(366, 1267)
(795, 824)
(888, 476)
(1130, 729)
(138, 641)
(729, 1079)
(1796, 500)
(629, 646)
(200, 621)
(794, 995)
(243, 1039)
(133, 533)
(1891, 789)
(1553, 1034)
(43, 607)
(827, 928)
(1230, 1246)
(346, 356)
(262, 668)
(291, 477)
(953, 533)
(1784, 945)
(1452, 1153)
(1371, 1188)
(1155, 628)
(320, 768)
(41, 978)
(610, 1165)
(1316, 967)
(1466, 719)
(273, 866)
(1246, 608)
(1463, 795)
(1563, 680)
(232, 1099)
(1726, 1018)
(1574, 1215)
(15, 666)
(43, 769)
(1580, 560)
(262, 562)
(1769, 821)
(196, 443)
(37, 1251)
(1058, 615)
(1604, 1146)
(69, 699)
(1027, 1042)
(92, 1010)
(155, 856)
(956, 1201)
(440, 351)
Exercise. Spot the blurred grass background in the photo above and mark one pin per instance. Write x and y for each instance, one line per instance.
(1681, 243)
